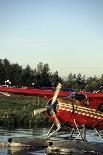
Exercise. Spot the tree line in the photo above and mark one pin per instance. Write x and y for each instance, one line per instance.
(41, 76)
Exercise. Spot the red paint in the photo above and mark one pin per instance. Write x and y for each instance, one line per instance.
(95, 101)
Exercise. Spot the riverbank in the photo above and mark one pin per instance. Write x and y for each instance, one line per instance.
(17, 111)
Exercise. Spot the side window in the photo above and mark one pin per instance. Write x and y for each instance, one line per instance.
(100, 108)
(79, 97)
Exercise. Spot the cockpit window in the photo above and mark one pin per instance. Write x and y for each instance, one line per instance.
(78, 97)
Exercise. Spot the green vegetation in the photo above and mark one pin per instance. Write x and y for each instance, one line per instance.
(41, 76)
(17, 111)
(19, 76)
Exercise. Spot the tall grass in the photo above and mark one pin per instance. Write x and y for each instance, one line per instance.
(17, 111)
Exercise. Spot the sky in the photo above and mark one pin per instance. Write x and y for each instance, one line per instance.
(66, 34)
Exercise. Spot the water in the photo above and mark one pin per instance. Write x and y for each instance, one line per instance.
(32, 133)
(28, 133)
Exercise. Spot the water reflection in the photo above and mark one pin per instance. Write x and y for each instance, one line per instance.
(31, 133)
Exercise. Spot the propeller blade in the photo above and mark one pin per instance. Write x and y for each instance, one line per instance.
(53, 101)
(56, 93)
(56, 119)
(5, 93)
(40, 110)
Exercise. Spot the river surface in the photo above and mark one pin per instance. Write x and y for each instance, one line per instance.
(32, 133)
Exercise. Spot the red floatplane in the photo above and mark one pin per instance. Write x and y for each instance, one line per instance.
(77, 110)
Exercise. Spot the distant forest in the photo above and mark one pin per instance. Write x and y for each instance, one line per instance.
(41, 76)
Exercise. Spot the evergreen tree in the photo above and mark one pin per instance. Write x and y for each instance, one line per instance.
(42, 75)
(27, 76)
(55, 79)
(15, 74)
(2, 75)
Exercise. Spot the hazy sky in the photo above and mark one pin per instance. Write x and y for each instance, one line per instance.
(66, 34)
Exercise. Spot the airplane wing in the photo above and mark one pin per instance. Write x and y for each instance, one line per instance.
(93, 95)
(30, 92)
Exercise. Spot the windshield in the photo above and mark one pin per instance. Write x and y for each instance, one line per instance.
(76, 96)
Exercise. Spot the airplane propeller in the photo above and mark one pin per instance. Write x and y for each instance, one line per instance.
(5, 93)
(56, 93)
(40, 110)
(58, 88)
(50, 107)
